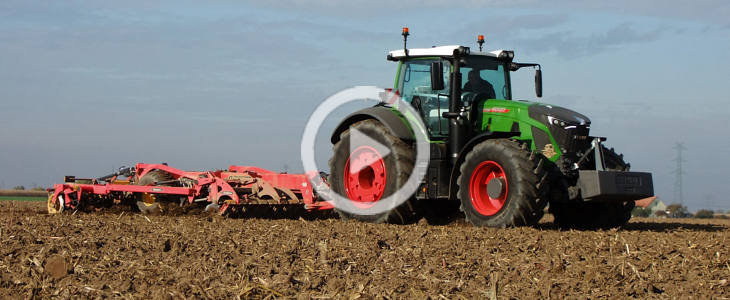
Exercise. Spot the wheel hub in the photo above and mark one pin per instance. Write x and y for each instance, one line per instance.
(365, 176)
(495, 187)
(488, 188)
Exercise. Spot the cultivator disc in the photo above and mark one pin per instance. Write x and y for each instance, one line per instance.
(148, 204)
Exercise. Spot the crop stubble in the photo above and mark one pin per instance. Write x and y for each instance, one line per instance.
(193, 256)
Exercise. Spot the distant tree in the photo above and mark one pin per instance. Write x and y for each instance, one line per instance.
(38, 188)
(676, 210)
(19, 187)
(660, 213)
(704, 214)
(641, 212)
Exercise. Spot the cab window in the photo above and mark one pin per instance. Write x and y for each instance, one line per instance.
(415, 78)
(415, 88)
(485, 77)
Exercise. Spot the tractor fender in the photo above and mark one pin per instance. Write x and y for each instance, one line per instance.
(453, 187)
(385, 115)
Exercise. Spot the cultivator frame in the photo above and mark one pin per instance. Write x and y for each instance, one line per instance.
(225, 190)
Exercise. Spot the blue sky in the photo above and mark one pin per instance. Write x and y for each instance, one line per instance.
(88, 86)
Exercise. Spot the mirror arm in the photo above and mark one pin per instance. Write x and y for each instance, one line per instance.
(516, 66)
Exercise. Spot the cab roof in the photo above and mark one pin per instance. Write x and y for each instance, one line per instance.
(438, 51)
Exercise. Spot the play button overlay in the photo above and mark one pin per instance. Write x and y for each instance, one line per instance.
(367, 156)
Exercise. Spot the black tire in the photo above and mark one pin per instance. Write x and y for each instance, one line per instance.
(595, 215)
(523, 182)
(398, 167)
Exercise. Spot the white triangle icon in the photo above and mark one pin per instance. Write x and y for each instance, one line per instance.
(357, 139)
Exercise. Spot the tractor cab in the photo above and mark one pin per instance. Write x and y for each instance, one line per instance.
(428, 78)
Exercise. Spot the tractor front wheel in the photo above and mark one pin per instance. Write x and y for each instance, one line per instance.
(502, 184)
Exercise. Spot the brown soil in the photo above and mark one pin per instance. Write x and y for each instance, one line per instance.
(193, 256)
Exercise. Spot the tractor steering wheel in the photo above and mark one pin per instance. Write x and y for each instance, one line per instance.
(469, 98)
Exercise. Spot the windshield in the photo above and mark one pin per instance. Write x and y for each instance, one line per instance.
(485, 75)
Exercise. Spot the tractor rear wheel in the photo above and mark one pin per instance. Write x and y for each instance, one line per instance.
(364, 175)
(502, 183)
(589, 215)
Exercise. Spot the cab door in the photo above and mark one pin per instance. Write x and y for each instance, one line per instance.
(415, 89)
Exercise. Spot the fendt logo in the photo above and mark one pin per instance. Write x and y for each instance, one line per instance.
(496, 110)
(366, 173)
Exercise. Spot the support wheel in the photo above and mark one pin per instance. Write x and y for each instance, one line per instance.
(361, 173)
(502, 184)
(55, 206)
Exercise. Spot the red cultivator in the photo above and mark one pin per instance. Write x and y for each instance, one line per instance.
(149, 185)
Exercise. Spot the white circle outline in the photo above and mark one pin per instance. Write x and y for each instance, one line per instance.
(359, 93)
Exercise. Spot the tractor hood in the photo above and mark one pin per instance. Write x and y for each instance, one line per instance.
(564, 126)
(552, 115)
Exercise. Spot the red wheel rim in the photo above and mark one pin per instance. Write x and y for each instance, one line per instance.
(481, 200)
(365, 176)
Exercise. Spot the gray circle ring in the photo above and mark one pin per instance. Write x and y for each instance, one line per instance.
(355, 94)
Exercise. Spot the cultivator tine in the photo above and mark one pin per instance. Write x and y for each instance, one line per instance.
(292, 198)
(213, 207)
(225, 209)
(264, 190)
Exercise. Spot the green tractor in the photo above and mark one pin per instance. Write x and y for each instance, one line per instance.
(502, 161)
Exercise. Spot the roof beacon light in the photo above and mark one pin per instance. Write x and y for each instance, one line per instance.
(480, 41)
(405, 40)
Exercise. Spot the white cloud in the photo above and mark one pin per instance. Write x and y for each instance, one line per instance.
(703, 11)
(568, 44)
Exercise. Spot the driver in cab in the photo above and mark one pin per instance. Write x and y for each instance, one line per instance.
(477, 85)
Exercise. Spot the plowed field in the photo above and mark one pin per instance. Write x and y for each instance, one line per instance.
(92, 255)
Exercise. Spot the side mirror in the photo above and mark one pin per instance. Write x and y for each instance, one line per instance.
(538, 83)
(437, 76)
